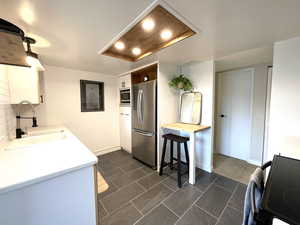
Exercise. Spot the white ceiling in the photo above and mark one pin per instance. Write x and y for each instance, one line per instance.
(244, 59)
(73, 31)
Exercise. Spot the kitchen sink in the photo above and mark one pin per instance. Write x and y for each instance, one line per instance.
(35, 140)
(42, 131)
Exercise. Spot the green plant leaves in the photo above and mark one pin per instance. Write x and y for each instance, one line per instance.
(181, 82)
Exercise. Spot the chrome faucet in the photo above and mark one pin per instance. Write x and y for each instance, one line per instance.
(19, 131)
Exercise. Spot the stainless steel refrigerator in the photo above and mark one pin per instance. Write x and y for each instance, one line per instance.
(144, 122)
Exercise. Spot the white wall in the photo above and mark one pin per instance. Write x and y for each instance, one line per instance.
(258, 113)
(7, 115)
(97, 130)
(202, 75)
(284, 132)
(168, 101)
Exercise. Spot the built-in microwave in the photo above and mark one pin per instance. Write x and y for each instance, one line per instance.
(125, 96)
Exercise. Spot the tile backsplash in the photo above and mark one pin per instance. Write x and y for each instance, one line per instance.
(7, 115)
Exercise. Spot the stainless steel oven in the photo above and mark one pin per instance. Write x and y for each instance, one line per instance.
(125, 96)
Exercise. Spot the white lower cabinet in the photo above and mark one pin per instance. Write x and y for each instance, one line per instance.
(125, 128)
(66, 199)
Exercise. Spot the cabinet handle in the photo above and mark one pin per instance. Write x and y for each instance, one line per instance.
(41, 99)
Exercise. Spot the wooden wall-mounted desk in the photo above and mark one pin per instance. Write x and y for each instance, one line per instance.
(192, 129)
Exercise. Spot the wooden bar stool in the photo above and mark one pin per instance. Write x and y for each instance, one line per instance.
(179, 140)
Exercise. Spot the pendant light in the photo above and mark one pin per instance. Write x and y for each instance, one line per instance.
(32, 58)
(12, 51)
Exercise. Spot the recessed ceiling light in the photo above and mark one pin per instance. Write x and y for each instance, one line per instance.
(148, 24)
(166, 34)
(119, 45)
(136, 51)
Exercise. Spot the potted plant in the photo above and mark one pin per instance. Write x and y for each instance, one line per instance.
(181, 83)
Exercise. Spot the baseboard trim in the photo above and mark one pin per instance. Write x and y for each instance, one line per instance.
(254, 162)
(107, 150)
(205, 167)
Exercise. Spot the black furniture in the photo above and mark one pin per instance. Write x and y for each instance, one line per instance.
(281, 198)
(179, 139)
(260, 216)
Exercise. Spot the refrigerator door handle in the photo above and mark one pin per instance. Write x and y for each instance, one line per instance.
(148, 134)
(142, 107)
(139, 106)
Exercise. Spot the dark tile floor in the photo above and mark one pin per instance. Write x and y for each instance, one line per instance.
(139, 196)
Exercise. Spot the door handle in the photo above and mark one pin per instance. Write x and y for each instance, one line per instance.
(139, 106)
(148, 134)
(142, 106)
(222, 115)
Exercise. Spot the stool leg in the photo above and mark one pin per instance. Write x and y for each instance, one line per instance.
(179, 164)
(162, 161)
(187, 155)
(171, 155)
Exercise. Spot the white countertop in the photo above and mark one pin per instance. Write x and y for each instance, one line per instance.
(50, 152)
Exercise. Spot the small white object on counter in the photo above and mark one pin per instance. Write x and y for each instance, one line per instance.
(32, 159)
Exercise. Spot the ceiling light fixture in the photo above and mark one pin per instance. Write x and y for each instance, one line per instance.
(157, 27)
(32, 58)
(148, 24)
(166, 34)
(119, 45)
(136, 51)
(12, 51)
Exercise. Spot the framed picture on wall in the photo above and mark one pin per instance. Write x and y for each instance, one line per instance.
(92, 96)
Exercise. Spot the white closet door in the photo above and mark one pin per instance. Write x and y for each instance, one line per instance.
(234, 100)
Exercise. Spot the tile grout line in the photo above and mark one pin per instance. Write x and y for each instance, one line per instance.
(147, 213)
(186, 211)
(136, 181)
(194, 203)
(166, 186)
(227, 204)
(122, 205)
(100, 202)
(233, 207)
(171, 189)
(211, 184)
(164, 178)
(120, 188)
(131, 201)
(126, 174)
(220, 186)
(208, 213)
(145, 190)
(143, 214)
(162, 202)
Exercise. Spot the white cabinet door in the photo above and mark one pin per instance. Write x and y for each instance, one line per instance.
(125, 128)
(23, 84)
(125, 81)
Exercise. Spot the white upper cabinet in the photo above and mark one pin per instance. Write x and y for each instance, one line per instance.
(23, 84)
(125, 81)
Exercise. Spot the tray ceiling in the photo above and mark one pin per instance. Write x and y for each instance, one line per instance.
(155, 31)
